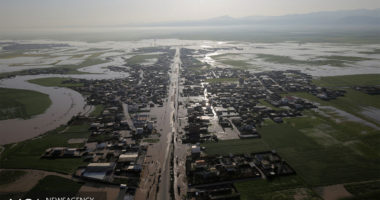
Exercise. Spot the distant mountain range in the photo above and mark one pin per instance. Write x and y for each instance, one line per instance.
(333, 18)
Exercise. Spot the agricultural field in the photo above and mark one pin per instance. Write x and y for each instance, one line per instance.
(54, 185)
(289, 187)
(321, 151)
(97, 111)
(323, 147)
(7, 177)
(55, 82)
(27, 154)
(354, 102)
(15, 103)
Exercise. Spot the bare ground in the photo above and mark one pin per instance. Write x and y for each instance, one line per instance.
(333, 192)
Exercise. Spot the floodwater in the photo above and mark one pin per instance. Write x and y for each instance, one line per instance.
(350, 117)
(67, 103)
(372, 112)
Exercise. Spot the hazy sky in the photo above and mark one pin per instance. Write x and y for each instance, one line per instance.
(58, 13)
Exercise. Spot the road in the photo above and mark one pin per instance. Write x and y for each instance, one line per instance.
(155, 178)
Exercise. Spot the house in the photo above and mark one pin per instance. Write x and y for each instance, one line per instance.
(98, 171)
(128, 157)
(195, 151)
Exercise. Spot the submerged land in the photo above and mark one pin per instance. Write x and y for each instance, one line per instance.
(189, 119)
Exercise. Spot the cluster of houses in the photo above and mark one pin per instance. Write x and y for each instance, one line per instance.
(243, 100)
(214, 169)
(371, 90)
(295, 81)
(239, 100)
(198, 123)
(63, 152)
(253, 97)
(211, 177)
(114, 150)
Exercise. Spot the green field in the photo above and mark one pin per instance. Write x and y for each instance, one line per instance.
(10, 176)
(15, 103)
(354, 101)
(54, 185)
(55, 82)
(280, 188)
(97, 111)
(322, 152)
(26, 154)
(138, 59)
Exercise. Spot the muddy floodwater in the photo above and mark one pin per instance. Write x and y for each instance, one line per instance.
(65, 104)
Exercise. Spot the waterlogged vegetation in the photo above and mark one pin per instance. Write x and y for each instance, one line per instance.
(138, 59)
(60, 69)
(27, 154)
(17, 54)
(225, 59)
(348, 80)
(91, 60)
(345, 58)
(55, 82)
(236, 63)
(354, 101)
(375, 51)
(338, 61)
(15, 103)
